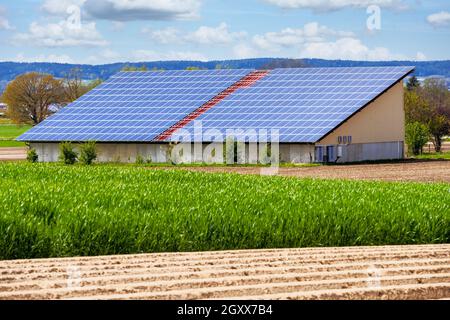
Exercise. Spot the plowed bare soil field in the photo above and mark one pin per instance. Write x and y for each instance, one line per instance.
(414, 171)
(390, 272)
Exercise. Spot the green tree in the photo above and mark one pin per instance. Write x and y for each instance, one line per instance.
(221, 67)
(417, 108)
(417, 135)
(283, 63)
(32, 155)
(193, 68)
(88, 152)
(436, 94)
(135, 68)
(439, 127)
(430, 105)
(412, 83)
(67, 154)
(139, 159)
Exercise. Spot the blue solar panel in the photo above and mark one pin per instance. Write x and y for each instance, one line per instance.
(303, 104)
(134, 106)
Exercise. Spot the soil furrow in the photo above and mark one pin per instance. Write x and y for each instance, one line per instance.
(212, 255)
(372, 273)
(402, 292)
(225, 276)
(180, 273)
(225, 260)
(210, 288)
(232, 289)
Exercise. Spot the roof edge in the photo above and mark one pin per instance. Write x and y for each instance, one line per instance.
(366, 105)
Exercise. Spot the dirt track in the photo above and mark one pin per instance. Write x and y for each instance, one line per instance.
(393, 272)
(9, 154)
(419, 171)
(409, 170)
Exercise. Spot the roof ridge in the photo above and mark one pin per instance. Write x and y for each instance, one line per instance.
(246, 81)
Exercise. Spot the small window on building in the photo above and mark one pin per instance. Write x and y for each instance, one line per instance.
(345, 140)
(340, 139)
(349, 139)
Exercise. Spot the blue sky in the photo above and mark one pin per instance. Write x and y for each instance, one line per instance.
(105, 31)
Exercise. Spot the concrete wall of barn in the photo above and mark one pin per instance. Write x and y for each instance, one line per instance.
(128, 152)
(297, 153)
(289, 153)
(108, 152)
(372, 151)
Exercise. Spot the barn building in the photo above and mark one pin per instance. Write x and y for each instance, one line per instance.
(320, 114)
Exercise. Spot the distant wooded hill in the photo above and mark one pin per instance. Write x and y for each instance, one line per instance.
(9, 70)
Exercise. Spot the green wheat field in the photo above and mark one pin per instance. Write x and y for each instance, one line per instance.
(52, 210)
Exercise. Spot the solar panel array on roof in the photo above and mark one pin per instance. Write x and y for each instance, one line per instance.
(304, 104)
(134, 106)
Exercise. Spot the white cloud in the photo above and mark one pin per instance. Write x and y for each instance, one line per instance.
(128, 10)
(203, 35)
(59, 7)
(4, 23)
(148, 55)
(164, 36)
(440, 19)
(62, 34)
(43, 58)
(328, 5)
(347, 49)
(117, 26)
(244, 51)
(110, 54)
(420, 56)
(211, 35)
(316, 41)
(104, 57)
(289, 37)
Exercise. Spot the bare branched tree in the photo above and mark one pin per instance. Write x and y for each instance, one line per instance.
(30, 96)
(74, 86)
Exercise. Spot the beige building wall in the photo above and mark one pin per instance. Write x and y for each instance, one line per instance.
(381, 121)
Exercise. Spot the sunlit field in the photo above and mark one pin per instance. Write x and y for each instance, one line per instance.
(52, 210)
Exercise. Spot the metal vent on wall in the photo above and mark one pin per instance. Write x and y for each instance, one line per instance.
(345, 139)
